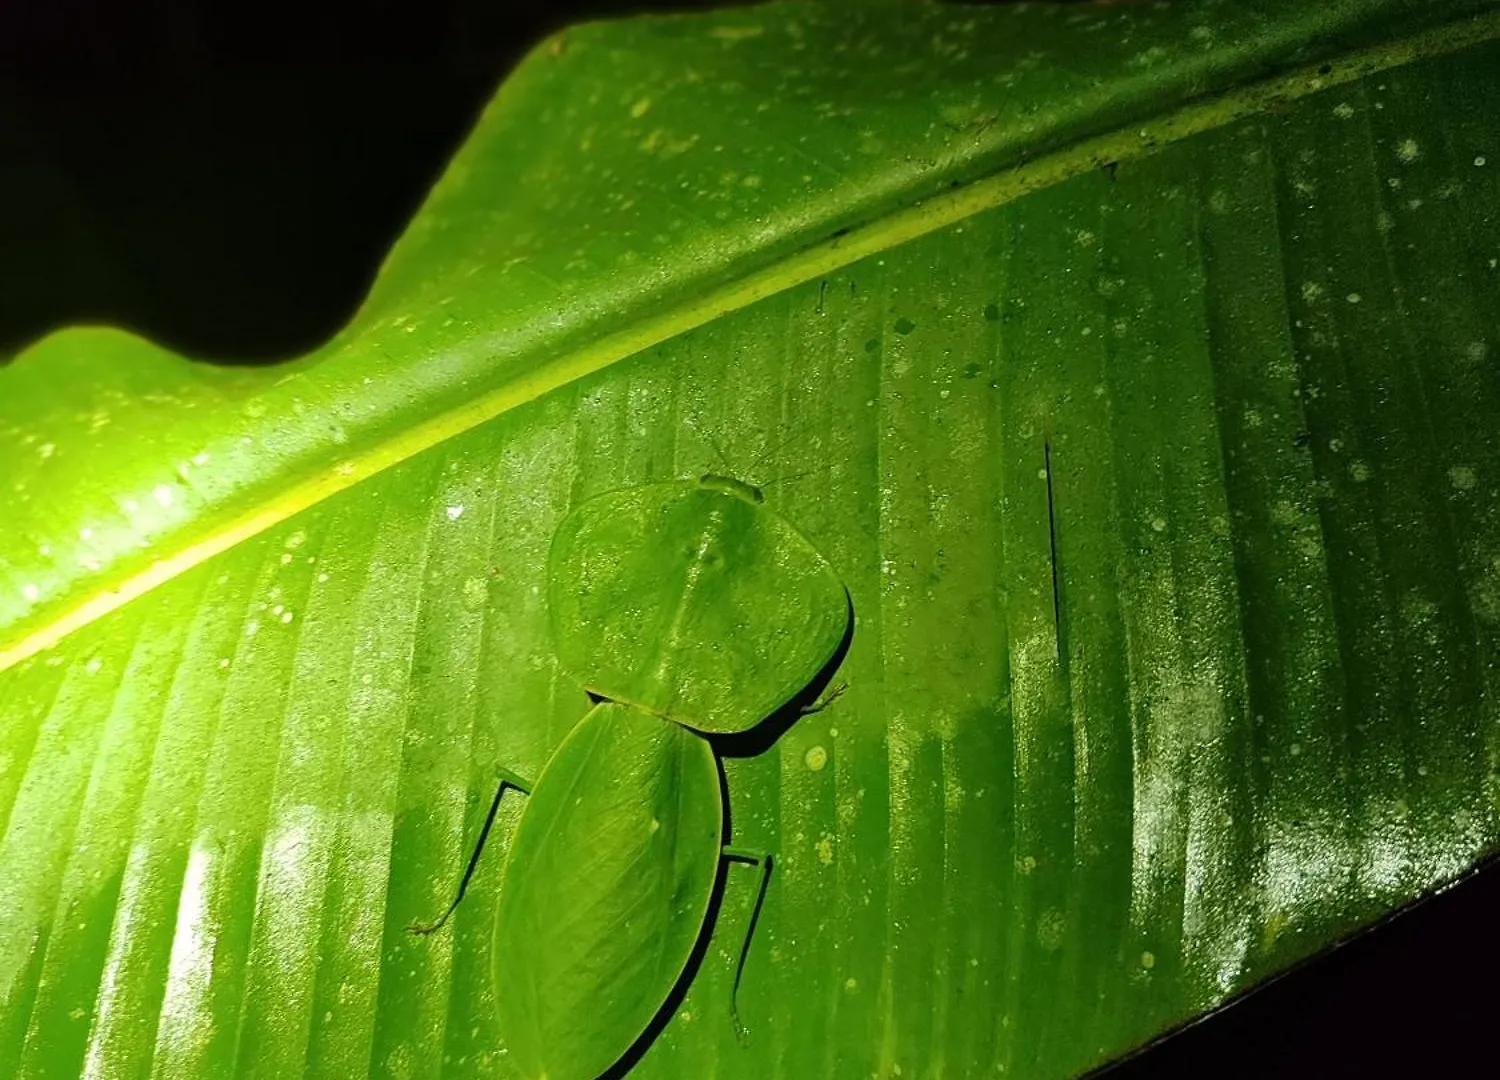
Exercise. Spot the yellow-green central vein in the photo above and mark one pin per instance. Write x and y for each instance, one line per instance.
(1139, 140)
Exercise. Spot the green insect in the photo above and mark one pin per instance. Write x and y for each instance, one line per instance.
(690, 613)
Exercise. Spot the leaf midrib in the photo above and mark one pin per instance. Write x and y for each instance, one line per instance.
(1137, 140)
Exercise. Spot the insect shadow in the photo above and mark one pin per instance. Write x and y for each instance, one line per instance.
(742, 744)
(769, 731)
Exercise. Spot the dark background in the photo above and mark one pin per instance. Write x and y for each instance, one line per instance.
(226, 179)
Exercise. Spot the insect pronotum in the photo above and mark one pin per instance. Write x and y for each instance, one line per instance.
(687, 610)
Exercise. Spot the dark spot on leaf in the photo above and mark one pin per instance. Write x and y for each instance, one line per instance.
(992, 312)
(1301, 438)
(972, 370)
(905, 326)
(872, 346)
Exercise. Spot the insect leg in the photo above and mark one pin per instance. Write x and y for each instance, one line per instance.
(828, 698)
(507, 779)
(764, 861)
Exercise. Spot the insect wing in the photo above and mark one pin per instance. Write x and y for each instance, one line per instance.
(692, 602)
(605, 891)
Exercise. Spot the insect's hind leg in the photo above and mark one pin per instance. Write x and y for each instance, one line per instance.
(507, 779)
(764, 860)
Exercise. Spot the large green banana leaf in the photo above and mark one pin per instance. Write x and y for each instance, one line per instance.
(1137, 368)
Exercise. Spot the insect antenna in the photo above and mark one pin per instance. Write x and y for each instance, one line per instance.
(792, 476)
(767, 452)
(726, 467)
(718, 450)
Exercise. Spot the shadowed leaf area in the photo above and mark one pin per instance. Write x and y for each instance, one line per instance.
(1132, 365)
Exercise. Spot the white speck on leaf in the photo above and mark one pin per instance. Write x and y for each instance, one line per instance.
(1462, 477)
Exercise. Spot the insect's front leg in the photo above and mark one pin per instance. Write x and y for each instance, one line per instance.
(764, 861)
(829, 696)
(507, 779)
